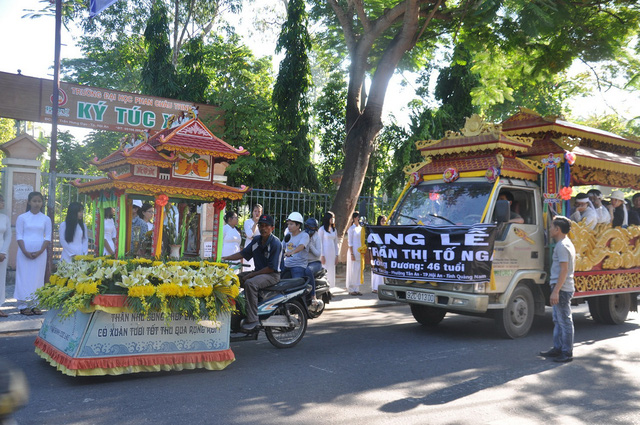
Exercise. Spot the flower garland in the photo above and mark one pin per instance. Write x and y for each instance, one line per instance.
(199, 289)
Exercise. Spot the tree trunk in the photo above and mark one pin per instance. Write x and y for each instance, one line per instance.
(358, 149)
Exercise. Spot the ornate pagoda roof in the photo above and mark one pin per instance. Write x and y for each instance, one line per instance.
(153, 168)
(528, 122)
(488, 141)
(194, 137)
(510, 167)
(177, 188)
(142, 153)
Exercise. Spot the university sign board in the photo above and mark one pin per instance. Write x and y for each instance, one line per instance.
(31, 99)
(445, 254)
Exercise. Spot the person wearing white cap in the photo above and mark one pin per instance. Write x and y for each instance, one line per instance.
(595, 196)
(584, 211)
(621, 215)
(295, 247)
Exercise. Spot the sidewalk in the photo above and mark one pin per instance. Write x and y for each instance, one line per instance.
(17, 322)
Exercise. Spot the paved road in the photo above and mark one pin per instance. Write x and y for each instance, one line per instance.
(365, 366)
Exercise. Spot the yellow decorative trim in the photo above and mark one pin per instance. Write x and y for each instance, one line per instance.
(473, 173)
(534, 165)
(145, 189)
(191, 150)
(573, 132)
(412, 168)
(605, 178)
(426, 143)
(611, 248)
(430, 177)
(567, 143)
(486, 210)
(606, 281)
(479, 147)
(517, 174)
(608, 165)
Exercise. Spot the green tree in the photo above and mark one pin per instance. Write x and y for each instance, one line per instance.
(158, 73)
(242, 86)
(7, 129)
(290, 98)
(329, 128)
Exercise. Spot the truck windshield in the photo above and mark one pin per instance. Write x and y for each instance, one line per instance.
(441, 204)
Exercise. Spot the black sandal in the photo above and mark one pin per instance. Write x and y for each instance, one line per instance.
(26, 312)
(36, 311)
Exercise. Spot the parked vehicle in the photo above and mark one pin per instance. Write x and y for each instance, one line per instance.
(459, 185)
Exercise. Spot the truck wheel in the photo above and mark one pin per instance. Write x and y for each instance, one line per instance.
(614, 308)
(594, 309)
(515, 320)
(427, 316)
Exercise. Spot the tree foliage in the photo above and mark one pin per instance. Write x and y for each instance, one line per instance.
(158, 73)
(329, 111)
(290, 98)
(540, 39)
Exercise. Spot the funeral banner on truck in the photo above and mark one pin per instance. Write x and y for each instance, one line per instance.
(448, 254)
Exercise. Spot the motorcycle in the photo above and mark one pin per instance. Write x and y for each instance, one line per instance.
(282, 312)
(323, 295)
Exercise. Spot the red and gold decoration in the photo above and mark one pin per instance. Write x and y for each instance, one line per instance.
(160, 306)
(183, 163)
(450, 175)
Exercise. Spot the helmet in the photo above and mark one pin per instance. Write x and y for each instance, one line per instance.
(311, 223)
(295, 216)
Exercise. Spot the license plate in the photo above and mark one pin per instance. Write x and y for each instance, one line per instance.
(421, 296)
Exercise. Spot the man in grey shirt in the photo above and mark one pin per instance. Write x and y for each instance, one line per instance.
(562, 289)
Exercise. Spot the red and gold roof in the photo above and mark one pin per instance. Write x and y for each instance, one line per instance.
(480, 145)
(509, 167)
(142, 153)
(177, 188)
(194, 137)
(482, 142)
(528, 122)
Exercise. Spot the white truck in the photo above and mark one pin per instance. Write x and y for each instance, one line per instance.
(516, 175)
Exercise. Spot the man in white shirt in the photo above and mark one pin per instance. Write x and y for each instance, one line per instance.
(584, 211)
(595, 196)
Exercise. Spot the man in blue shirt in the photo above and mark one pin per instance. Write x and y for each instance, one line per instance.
(264, 249)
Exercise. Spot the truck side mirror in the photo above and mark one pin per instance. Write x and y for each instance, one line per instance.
(502, 212)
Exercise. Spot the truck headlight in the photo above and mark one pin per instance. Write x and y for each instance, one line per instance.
(480, 288)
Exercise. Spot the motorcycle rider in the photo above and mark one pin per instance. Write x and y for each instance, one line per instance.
(315, 250)
(265, 250)
(295, 247)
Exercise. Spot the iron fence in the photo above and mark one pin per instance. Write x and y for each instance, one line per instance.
(278, 203)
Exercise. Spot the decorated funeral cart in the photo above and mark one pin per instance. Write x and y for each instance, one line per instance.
(141, 309)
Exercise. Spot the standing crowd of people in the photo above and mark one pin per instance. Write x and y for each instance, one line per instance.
(306, 248)
(33, 237)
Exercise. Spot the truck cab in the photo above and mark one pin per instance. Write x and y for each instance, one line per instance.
(519, 251)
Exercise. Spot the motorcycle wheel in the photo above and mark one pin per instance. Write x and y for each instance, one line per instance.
(316, 311)
(287, 337)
